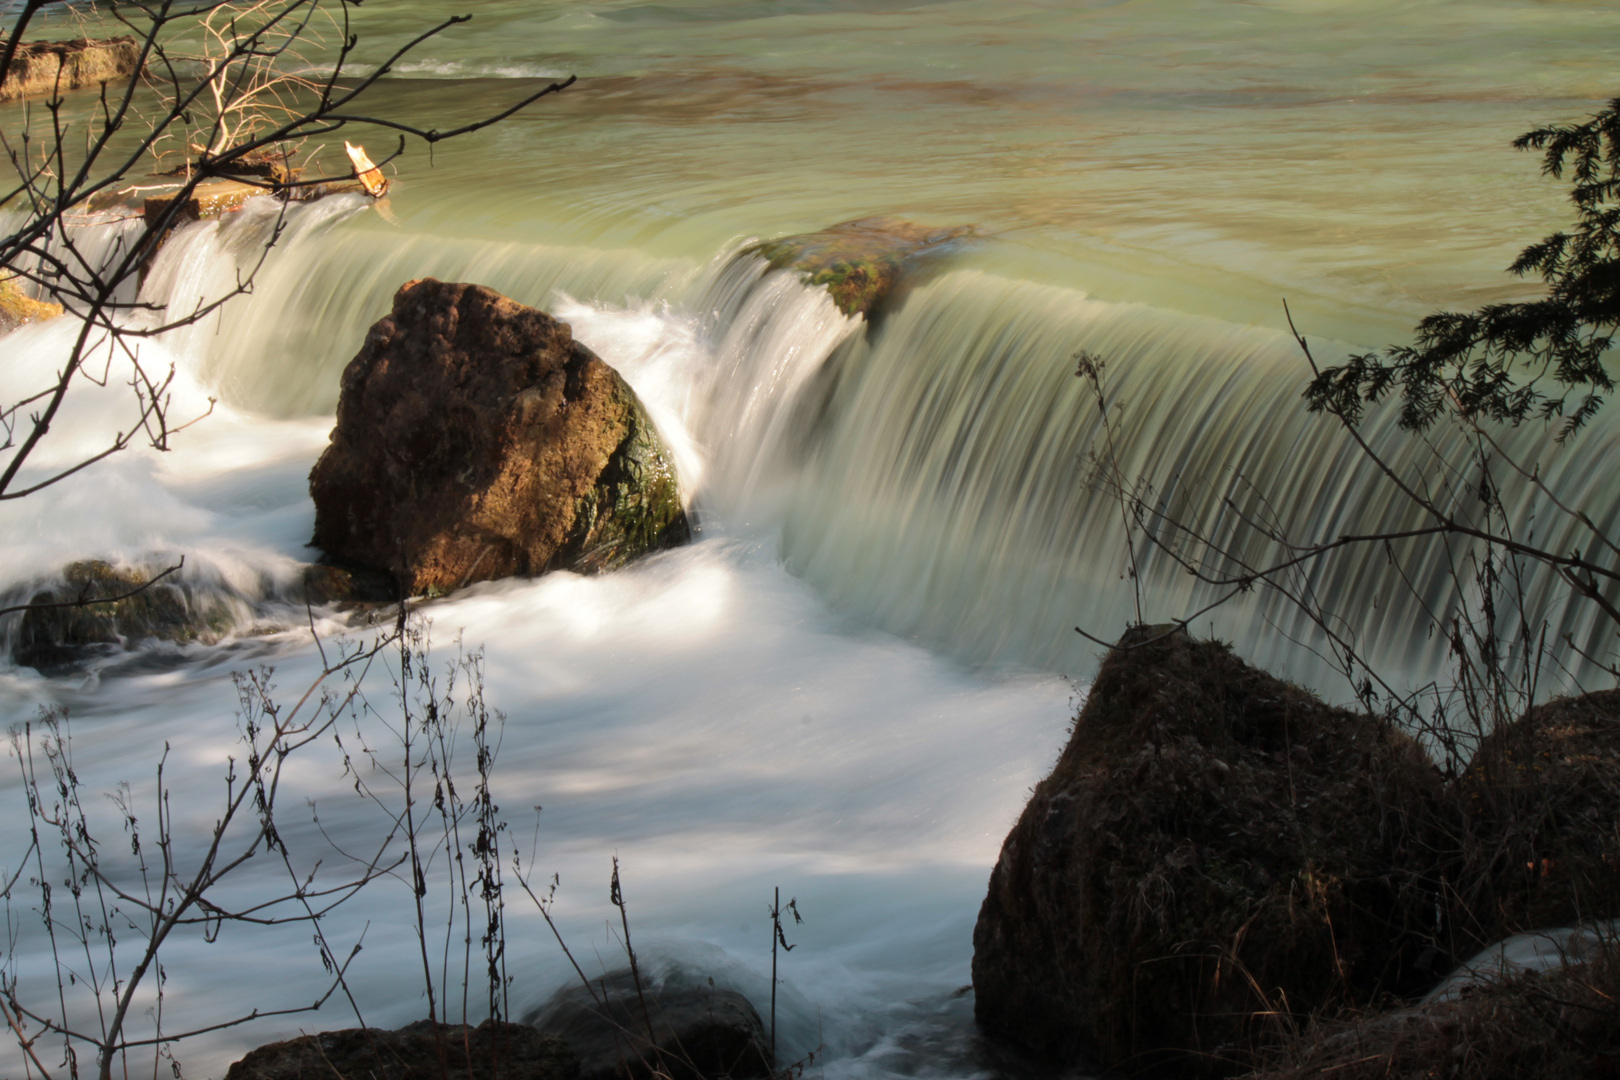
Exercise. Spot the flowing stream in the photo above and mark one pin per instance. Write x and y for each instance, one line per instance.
(846, 685)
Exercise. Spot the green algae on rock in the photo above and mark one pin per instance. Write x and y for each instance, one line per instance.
(17, 307)
(98, 607)
(636, 504)
(858, 262)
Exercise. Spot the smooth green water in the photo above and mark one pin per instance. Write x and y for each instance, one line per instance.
(1209, 156)
(1213, 157)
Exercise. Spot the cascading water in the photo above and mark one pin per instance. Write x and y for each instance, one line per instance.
(932, 473)
(847, 684)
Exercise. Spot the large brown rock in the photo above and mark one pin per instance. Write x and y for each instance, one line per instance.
(422, 1051)
(476, 439)
(1215, 853)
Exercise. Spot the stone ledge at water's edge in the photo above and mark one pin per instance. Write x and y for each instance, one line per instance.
(1219, 858)
(860, 263)
(44, 67)
(477, 440)
(669, 1023)
(18, 308)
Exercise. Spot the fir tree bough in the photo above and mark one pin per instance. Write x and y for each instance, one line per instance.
(1510, 362)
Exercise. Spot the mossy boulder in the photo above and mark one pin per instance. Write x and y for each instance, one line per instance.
(476, 440)
(97, 608)
(492, 1051)
(17, 307)
(1215, 853)
(1538, 843)
(859, 263)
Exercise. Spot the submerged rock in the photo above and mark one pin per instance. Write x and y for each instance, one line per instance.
(1215, 852)
(17, 307)
(858, 262)
(491, 1051)
(98, 608)
(477, 440)
(43, 67)
(690, 1029)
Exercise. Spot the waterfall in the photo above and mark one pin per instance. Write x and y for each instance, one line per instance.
(935, 473)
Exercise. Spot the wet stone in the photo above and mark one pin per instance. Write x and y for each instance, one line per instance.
(681, 1027)
(97, 608)
(860, 263)
(476, 440)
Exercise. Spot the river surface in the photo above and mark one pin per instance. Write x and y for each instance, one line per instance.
(847, 684)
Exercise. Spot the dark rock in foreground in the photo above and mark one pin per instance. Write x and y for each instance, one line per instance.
(858, 262)
(491, 1050)
(43, 67)
(99, 608)
(477, 440)
(1541, 808)
(697, 1031)
(1215, 852)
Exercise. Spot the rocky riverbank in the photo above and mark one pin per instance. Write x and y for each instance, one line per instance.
(1220, 860)
(45, 67)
